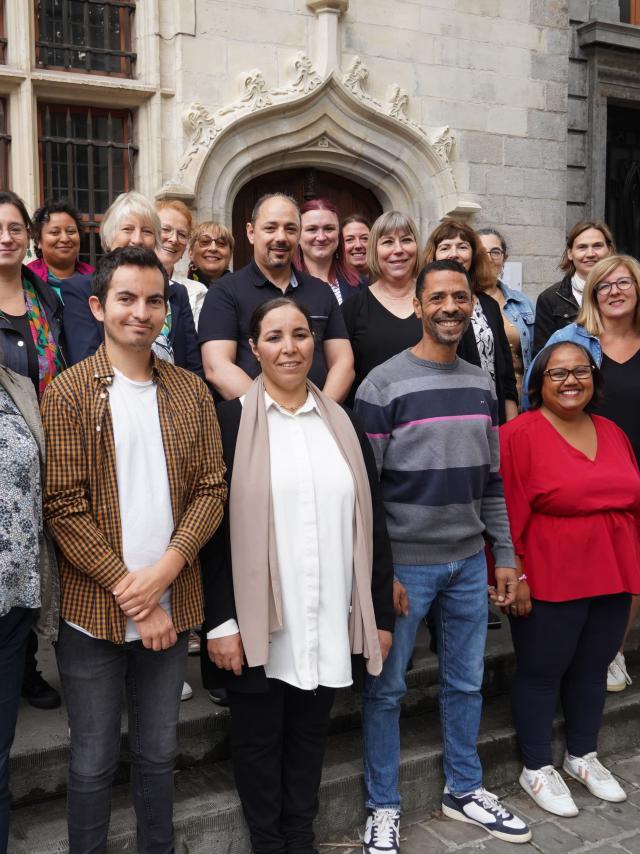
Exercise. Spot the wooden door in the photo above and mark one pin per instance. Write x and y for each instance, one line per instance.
(622, 207)
(302, 184)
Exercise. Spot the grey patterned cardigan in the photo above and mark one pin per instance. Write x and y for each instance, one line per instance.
(20, 390)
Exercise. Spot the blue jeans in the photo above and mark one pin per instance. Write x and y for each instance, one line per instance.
(93, 674)
(458, 591)
(15, 626)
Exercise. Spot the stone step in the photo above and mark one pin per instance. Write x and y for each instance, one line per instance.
(40, 753)
(207, 811)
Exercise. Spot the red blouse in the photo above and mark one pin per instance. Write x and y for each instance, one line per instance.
(575, 522)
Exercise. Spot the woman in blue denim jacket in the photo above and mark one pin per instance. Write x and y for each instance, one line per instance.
(518, 312)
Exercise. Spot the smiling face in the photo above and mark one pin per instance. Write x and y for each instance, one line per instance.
(134, 309)
(618, 302)
(567, 398)
(356, 239)
(284, 349)
(60, 241)
(587, 249)
(397, 256)
(211, 254)
(14, 238)
(445, 306)
(455, 249)
(319, 235)
(174, 230)
(275, 234)
(133, 231)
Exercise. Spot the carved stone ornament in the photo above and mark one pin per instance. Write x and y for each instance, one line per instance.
(200, 125)
(443, 142)
(355, 80)
(307, 78)
(255, 97)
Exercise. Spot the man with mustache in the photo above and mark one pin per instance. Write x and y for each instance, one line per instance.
(134, 488)
(432, 421)
(223, 330)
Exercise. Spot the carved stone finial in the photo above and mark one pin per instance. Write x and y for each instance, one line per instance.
(255, 97)
(443, 142)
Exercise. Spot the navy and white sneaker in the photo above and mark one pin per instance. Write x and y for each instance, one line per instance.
(484, 809)
(382, 832)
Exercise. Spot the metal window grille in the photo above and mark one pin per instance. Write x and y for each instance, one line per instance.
(87, 156)
(85, 35)
(5, 140)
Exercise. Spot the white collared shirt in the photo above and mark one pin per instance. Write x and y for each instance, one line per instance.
(313, 497)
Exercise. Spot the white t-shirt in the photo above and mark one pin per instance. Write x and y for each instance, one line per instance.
(146, 518)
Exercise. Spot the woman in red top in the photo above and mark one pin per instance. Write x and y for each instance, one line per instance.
(572, 489)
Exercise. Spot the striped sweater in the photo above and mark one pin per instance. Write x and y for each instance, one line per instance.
(433, 427)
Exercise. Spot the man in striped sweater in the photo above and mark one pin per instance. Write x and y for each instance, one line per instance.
(432, 420)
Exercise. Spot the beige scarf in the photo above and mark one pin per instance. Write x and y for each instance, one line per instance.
(256, 579)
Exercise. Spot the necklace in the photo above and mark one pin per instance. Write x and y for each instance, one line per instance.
(290, 408)
(391, 296)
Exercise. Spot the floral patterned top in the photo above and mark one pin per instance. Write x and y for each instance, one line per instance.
(20, 511)
(484, 340)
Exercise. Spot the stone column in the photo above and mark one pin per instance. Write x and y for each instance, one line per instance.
(327, 57)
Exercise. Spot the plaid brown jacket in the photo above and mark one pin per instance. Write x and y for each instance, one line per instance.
(81, 494)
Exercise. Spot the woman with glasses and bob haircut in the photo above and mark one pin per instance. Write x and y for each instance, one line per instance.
(572, 490)
(608, 326)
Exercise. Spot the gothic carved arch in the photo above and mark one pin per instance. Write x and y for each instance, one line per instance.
(332, 125)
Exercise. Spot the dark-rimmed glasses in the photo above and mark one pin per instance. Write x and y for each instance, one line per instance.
(559, 375)
(623, 284)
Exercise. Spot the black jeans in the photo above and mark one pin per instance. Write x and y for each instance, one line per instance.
(93, 674)
(14, 632)
(563, 650)
(278, 740)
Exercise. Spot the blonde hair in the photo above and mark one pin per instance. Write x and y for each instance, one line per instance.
(220, 232)
(589, 315)
(390, 223)
(132, 204)
(177, 206)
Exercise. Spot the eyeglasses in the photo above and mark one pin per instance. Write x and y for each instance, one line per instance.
(206, 240)
(13, 230)
(181, 235)
(604, 288)
(496, 252)
(559, 375)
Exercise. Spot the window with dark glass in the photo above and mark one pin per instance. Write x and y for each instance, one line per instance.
(3, 35)
(87, 156)
(5, 139)
(85, 35)
(630, 11)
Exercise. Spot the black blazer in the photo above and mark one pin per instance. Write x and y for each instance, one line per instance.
(183, 336)
(556, 308)
(347, 290)
(506, 388)
(217, 581)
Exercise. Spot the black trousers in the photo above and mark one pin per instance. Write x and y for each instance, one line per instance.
(278, 740)
(562, 651)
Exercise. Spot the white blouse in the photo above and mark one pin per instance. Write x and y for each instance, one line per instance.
(313, 497)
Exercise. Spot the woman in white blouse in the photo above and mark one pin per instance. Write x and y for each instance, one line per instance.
(299, 582)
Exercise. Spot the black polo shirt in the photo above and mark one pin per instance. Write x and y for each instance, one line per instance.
(231, 300)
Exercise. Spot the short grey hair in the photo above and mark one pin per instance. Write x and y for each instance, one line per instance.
(132, 204)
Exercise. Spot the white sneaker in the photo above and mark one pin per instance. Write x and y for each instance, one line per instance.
(382, 832)
(547, 788)
(617, 676)
(187, 691)
(589, 771)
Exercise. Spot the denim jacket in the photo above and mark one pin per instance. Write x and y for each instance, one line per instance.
(520, 311)
(571, 334)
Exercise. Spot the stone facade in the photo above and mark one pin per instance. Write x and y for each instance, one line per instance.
(470, 107)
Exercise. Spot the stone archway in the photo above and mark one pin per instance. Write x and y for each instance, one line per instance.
(331, 125)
